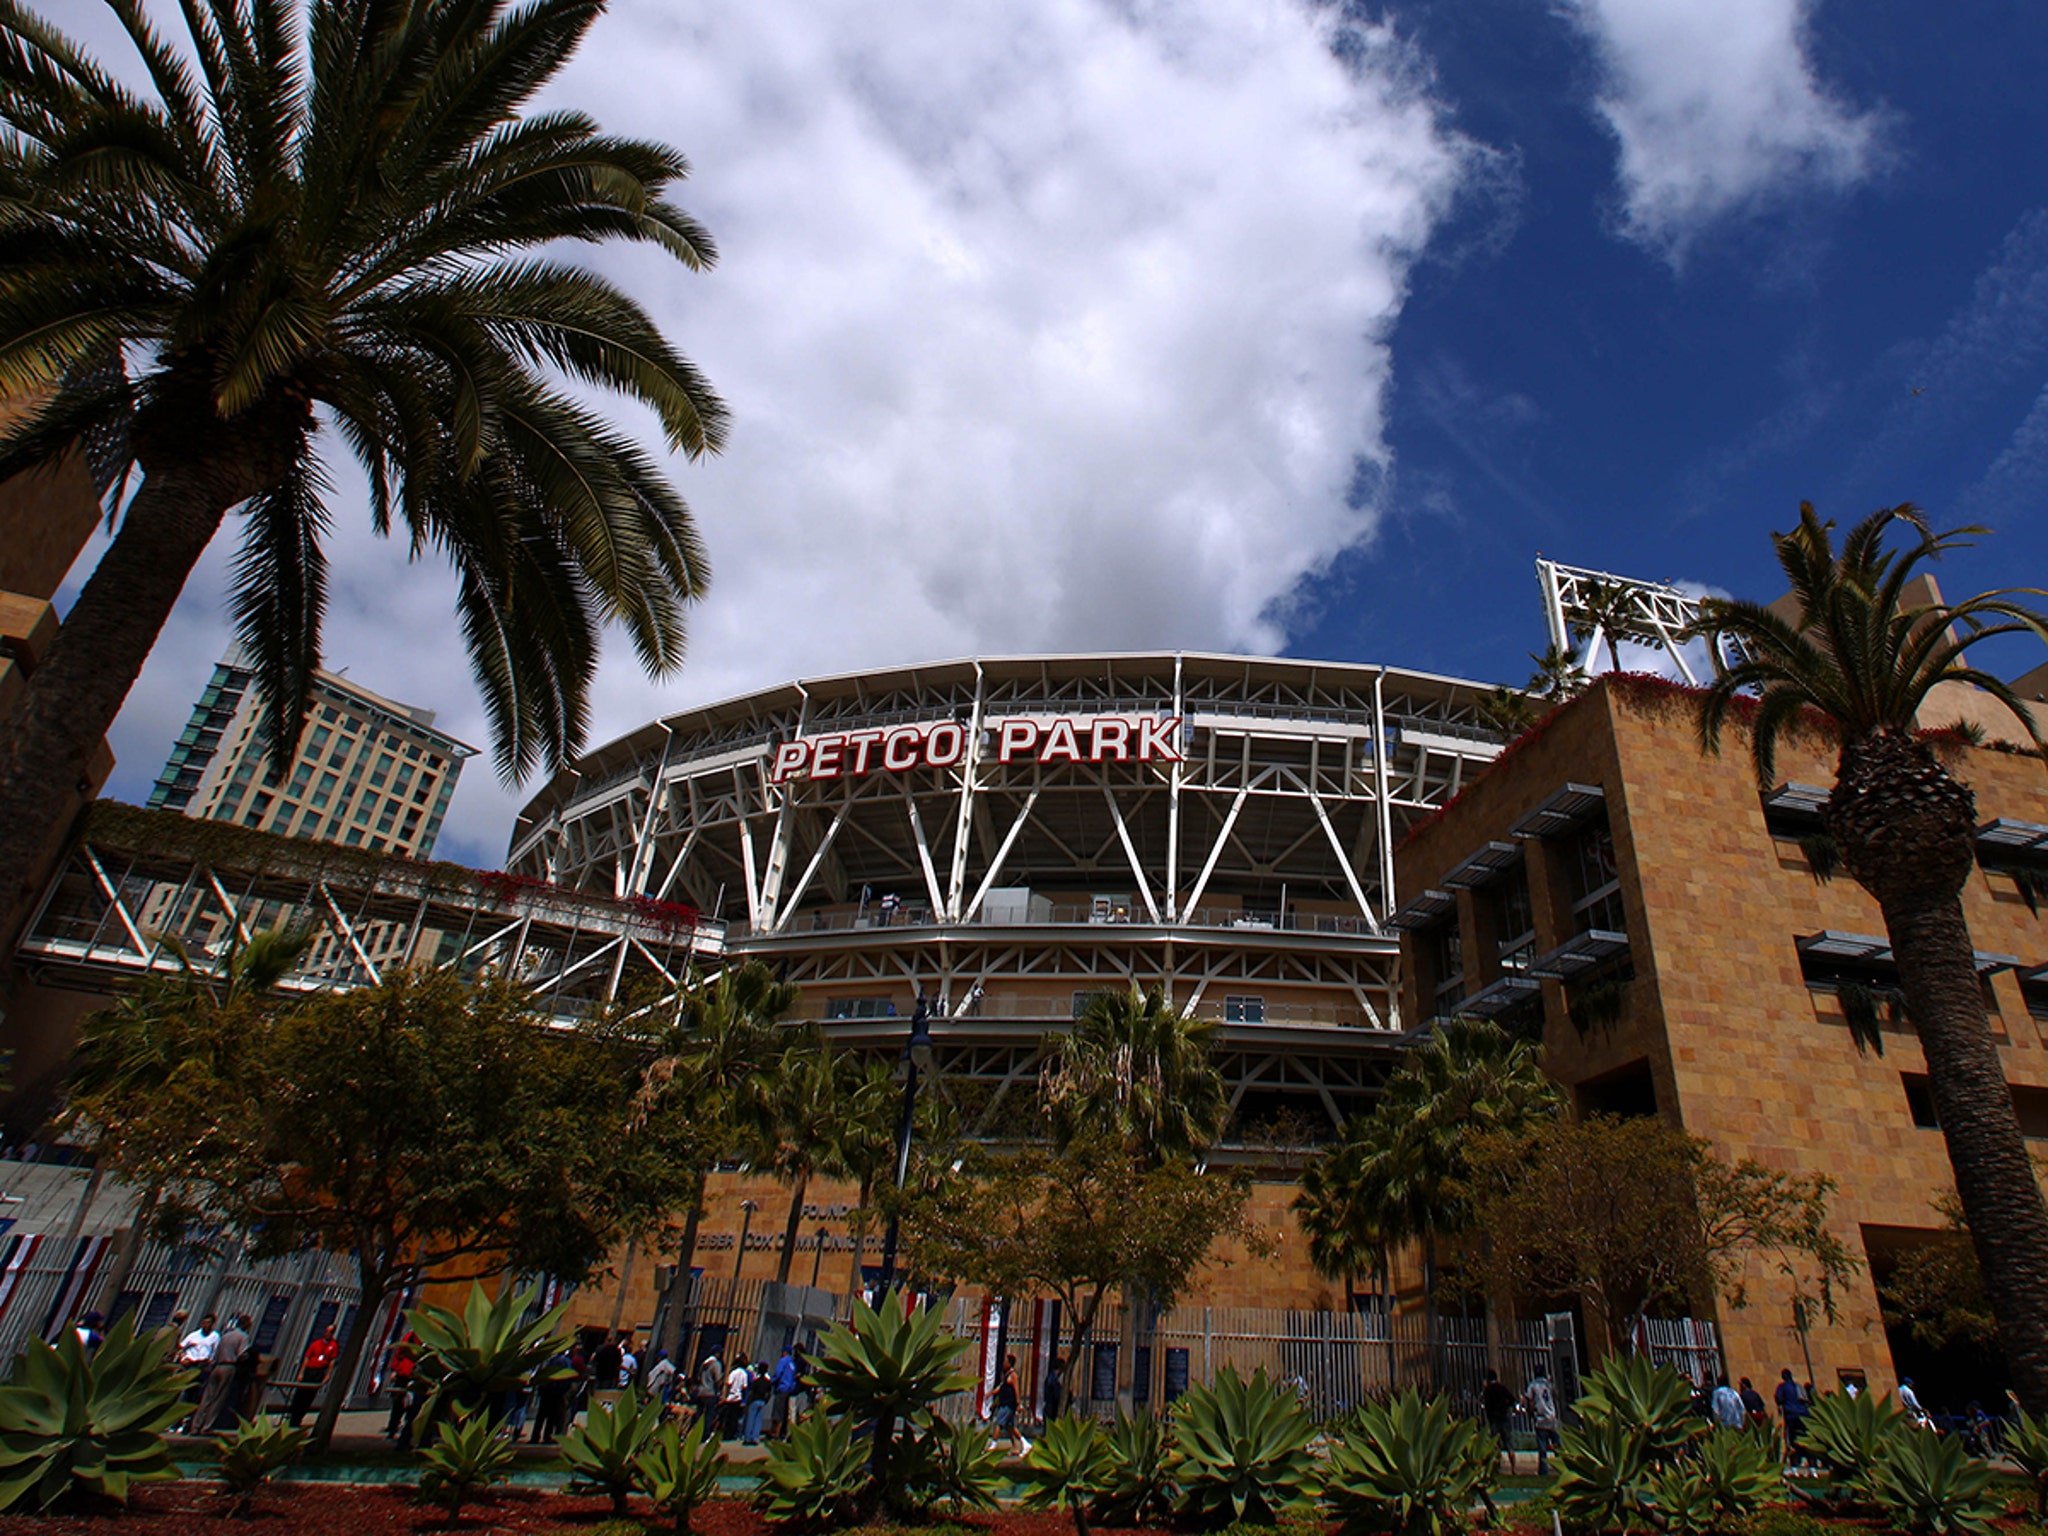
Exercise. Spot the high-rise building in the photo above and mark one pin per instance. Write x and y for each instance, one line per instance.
(369, 773)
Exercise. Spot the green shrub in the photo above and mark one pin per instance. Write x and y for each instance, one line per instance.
(1654, 1399)
(1850, 1434)
(957, 1466)
(1678, 1502)
(1070, 1465)
(1739, 1471)
(251, 1451)
(1241, 1451)
(1603, 1469)
(469, 1357)
(2026, 1442)
(1409, 1467)
(1929, 1484)
(814, 1479)
(1789, 1522)
(680, 1471)
(466, 1453)
(70, 1418)
(888, 1367)
(602, 1452)
(1137, 1488)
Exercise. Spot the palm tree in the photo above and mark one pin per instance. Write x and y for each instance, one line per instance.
(804, 1097)
(1136, 1064)
(1401, 1172)
(703, 1085)
(324, 223)
(1858, 664)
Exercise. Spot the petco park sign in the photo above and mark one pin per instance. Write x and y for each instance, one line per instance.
(943, 743)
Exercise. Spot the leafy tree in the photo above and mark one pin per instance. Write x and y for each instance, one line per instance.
(1859, 662)
(1077, 1222)
(327, 217)
(1134, 1063)
(417, 1123)
(1937, 1290)
(804, 1102)
(700, 1098)
(1403, 1173)
(1633, 1214)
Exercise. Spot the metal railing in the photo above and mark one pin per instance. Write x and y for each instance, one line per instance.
(1063, 914)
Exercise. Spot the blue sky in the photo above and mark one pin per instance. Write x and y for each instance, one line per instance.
(1273, 325)
(1566, 387)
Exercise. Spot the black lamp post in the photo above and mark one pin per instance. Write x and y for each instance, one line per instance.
(917, 1054)
(747, 1209)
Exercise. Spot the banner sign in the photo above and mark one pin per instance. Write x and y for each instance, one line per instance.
(943, 744)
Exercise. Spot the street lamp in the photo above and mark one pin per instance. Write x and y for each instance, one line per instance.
(917, 1055)
(747, 1209)
(817, 1258)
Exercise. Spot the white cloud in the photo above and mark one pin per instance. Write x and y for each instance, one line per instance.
(1717, 110)
(1046, 324)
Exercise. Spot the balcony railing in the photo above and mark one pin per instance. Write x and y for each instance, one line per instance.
(1065, 914)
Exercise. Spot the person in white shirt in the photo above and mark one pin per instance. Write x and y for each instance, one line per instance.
(197, 1347)
(1910, 1401)
(735, 1395)
(628, 1364)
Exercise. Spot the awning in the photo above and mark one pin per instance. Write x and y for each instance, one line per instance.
(1803, 800)
(2009, 836)
(1423, 910)
(1868, 949)
(1481, 866)
(1492, 1001)
(1579, 954)
(1563, 810)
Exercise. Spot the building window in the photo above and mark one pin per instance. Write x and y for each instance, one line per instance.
(860, 1008)
(1514, 919)
(1244, 1010)
(1920, 1102)
(1596, 881)
(1083, 999)
(1447, 964)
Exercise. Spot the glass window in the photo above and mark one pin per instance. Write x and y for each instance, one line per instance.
(1244, 1010)
(319, 798)
(1596, 881)
(320, 735)
(1514, 913)
(354, 837)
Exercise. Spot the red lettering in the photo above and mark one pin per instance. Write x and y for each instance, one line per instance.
(1159, 740)
(1060, 744)
(1018, 736)
(861, 742)
(789, 757)
(945, 744)
(1109, 740)
(825, 752)
(900, 751)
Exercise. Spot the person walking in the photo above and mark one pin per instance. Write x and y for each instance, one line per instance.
(1054, 1392)
(760, 1387)
(785, 1383)
(1792, 1410)
(607, 1361)
(1498, 1404)
(398, 1373)
(1753, 1404)
(217, 1406)
(661, 1381)
(1006, 1404)
(1727, 1406)
(734, 1402)
(1910, 1401)
(707, 1389)
(313, 1368)
(88, 1331)
(195, 1354)
(551, 1398)
(1541, 1403)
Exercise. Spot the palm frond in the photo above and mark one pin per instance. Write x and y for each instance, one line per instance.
(277, 596)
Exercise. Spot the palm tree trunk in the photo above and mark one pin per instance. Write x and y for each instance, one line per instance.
(673, 1323)
(129, 1252)
(73, 696)
(1995, 1177)
(789, 1229)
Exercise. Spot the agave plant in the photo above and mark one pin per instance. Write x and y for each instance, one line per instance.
(1850, 1434)
(1655, 1399)
(466, 1453)
(1739, 1472)
(1679, 1502)
(1069, 1465)
(814, 1479)
(2026, 1442)
(680, 1471)
(93, 1421)
(1409, 1467)
(1930, 1485)
(251, 1451)
(604, 1450)
(1241, 1451)
(1138, 1485)
(1603, 1473)
(954, 1464)
(890, 1365)
(467, 1358)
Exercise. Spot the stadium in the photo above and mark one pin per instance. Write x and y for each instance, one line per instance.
(1007, 836)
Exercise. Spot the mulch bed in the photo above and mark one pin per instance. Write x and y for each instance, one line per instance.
(197, 1508)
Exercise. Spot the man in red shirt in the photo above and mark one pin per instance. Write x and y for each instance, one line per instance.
(313, 1369)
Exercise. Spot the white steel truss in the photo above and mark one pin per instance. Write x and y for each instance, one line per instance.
(1598, 609)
